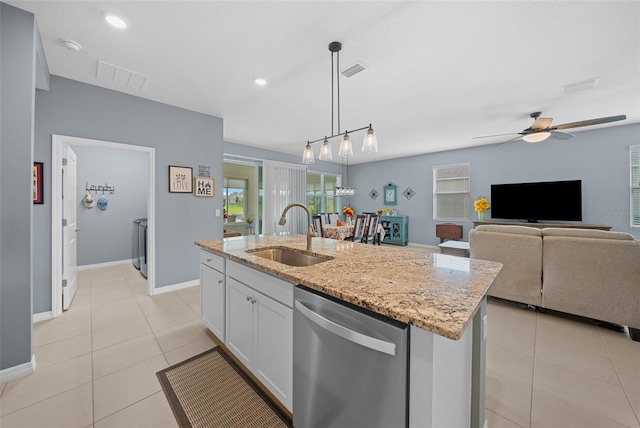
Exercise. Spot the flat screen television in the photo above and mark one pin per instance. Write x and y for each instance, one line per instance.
(549, 200)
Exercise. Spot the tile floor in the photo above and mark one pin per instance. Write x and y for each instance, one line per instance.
(96, 363)
(544, 370)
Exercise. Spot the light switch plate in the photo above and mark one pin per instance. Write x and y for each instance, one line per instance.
(217, 213)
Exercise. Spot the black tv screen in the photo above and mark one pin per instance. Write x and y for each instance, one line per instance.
(550, 200)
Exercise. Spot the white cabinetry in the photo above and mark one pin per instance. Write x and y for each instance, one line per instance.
(260, 327)
(212, 293)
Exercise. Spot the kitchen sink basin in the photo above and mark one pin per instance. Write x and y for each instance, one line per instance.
(289, 256)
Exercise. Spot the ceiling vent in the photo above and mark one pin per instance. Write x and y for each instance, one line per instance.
(353, 69)
(580, 86)
(121, 76)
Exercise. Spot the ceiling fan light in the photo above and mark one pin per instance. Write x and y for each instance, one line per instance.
(346, 148)
(325, 151)
(370, 143)
(536, 137)
(307, 155)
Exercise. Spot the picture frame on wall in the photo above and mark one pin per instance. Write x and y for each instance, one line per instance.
(180, 179)
(204, 187)
(38, 189)
(390, 194)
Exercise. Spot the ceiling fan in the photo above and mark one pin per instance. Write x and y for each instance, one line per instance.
(541, 128)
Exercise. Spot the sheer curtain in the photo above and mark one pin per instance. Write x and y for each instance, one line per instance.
(284, 183)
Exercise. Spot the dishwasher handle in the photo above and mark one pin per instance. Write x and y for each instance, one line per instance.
(346, 333)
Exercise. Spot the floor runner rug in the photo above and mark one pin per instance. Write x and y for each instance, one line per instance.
(209, 390)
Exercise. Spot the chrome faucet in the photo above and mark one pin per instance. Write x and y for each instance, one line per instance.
(310, 232)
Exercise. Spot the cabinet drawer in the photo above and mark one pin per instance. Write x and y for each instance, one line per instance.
(212, 260)
(269, 285)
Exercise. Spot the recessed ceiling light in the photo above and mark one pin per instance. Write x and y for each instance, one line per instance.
(115, 20)
(259, 81)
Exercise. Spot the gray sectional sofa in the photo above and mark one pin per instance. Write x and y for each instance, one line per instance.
(590, 273)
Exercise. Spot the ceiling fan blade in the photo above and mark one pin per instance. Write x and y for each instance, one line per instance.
(497, 135)
(542, 123)
(519, 137)
(560, 135)
(590, 122)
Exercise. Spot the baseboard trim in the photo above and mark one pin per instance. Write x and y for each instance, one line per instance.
(176, 287)
(18, 371)
(105, 264)
(42, 316)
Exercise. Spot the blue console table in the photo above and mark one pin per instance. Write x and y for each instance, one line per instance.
(396, 229)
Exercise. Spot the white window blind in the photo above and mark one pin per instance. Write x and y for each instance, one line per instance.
(284, 183)
(634, 162)
(451, 185)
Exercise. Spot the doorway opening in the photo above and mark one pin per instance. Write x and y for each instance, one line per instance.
(242, 193)
(60, 145)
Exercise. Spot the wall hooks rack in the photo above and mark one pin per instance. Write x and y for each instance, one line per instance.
(99, 188)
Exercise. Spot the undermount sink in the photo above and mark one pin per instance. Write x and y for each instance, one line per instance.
(289, 256)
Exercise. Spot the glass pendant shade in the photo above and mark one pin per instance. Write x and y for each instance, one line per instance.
(346, 148)
(370, 143)
(325, 151)
(536, 137)
(307, 155)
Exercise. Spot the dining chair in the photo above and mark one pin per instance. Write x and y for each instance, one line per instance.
(333, 218)
(323, 218)
(358, 228)
(371, 229)
(316, 221)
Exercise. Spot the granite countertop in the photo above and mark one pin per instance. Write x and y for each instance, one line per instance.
(432, 291)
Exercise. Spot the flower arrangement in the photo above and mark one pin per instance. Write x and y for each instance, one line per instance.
(251, 219)
(348, 211)
(480, 205)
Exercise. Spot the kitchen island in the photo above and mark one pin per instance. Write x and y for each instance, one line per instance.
(441, 297)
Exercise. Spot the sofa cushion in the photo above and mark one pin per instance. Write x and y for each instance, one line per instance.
(520, 251)
(518, 230)
(586, 233)
(592, 277)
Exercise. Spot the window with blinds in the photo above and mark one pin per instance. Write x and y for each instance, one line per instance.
(451, 192)
(634, 163)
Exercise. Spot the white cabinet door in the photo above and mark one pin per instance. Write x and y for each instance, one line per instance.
(240, 321)
(212, 301)
(273, 362)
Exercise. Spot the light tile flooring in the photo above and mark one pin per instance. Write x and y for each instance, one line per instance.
(96, 363)
(544, 370)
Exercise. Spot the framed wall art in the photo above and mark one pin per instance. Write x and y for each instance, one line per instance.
(204, 187)
(390, 194)
(38, 189)
(180, 179)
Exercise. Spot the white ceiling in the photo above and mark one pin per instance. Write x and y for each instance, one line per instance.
(438, 72)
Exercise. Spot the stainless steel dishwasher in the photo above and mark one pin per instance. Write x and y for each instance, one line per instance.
(349, 365)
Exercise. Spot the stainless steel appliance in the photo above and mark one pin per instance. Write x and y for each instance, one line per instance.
(142, 247)
(349, 365)
(135, 253)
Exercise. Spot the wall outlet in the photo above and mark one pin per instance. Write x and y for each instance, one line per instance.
(217, 213)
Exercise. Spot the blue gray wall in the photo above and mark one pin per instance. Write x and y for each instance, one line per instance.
(600, 158)
(180, 137)
(17, 91)
(106, 235)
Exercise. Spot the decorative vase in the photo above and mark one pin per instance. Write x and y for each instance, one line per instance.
(349, 220)
(480, 215)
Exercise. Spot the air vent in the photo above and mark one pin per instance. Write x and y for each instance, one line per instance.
(580, 86)
(353, 69)
(121, 76)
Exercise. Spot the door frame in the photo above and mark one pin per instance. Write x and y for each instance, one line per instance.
(57, 144)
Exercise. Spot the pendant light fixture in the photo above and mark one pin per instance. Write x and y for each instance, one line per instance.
(370, 143)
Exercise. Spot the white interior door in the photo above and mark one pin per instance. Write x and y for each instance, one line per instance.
(69, 228)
